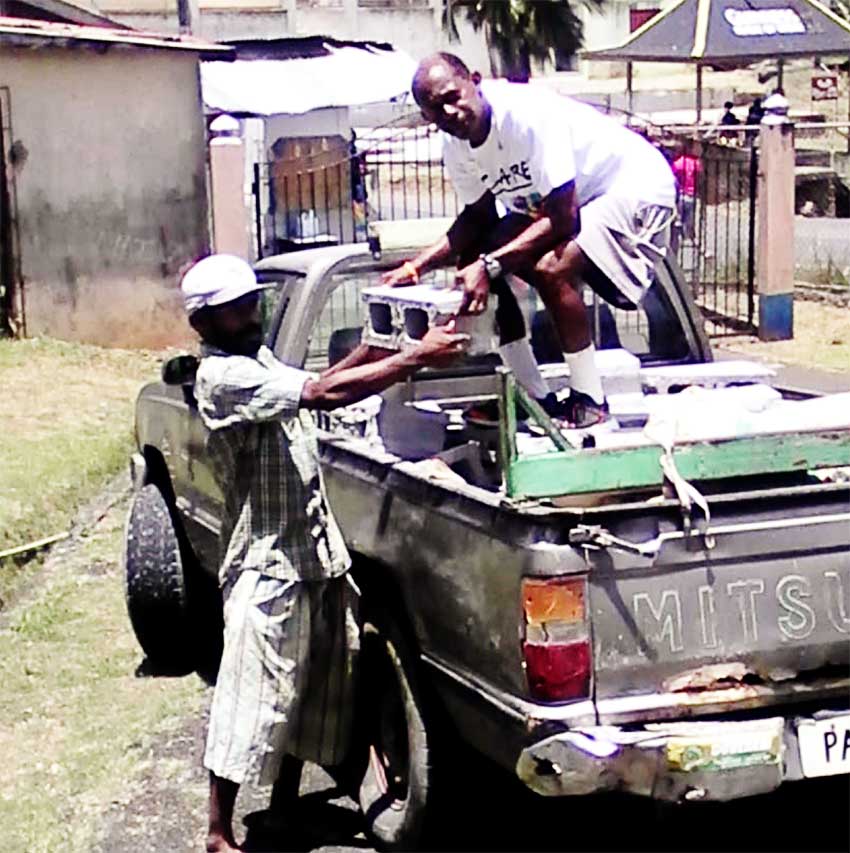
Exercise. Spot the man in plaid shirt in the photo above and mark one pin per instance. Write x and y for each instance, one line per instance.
(282, 694)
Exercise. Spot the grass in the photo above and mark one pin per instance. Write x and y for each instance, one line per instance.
(76, 726)
(821, 339)
(67, 428)
(75, 723)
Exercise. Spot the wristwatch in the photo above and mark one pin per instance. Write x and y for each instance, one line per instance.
(492, 267)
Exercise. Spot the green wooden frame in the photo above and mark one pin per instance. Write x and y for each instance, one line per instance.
(567, 471)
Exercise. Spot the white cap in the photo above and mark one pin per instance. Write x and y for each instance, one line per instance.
(775, 109)
(216, 280)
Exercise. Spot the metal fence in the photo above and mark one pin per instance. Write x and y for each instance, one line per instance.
(321, 193)
(8, 259)
(715, 235)
(324, 194)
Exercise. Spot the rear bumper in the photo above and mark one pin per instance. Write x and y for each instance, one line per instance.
(685, 761)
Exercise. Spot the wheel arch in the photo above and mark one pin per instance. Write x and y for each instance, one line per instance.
(156, 472)
(381, 592)
(383, 599)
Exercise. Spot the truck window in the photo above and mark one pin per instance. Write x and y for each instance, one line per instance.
(650, 332)
(275, 299)
(340, 322)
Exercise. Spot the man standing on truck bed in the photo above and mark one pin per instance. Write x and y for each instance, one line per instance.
(588, 200)
(282, 694)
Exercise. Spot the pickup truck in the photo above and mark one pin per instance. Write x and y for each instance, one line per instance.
(666, 619)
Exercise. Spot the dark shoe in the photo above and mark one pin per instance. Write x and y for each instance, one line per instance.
(483, 414)
(486, 414)
(578, 411)
(555, 408)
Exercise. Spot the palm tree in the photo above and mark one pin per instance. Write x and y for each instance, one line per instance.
(518, 31)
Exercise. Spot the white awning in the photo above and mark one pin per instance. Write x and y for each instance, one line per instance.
(347, 76)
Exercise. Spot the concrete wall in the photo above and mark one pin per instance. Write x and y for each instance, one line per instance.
(415, 29)
(333, 121)
(111, 190)
(610, 26)
(214, 24)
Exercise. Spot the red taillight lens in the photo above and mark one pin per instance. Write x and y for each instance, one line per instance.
(558, 671)
(556, 646)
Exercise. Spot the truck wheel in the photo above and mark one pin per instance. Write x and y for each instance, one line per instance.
(396, 790)
(155, 591)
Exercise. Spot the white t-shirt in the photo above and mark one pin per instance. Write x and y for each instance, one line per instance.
(540, 140)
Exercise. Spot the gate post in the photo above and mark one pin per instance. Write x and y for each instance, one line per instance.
(775, 205)
(230, 214)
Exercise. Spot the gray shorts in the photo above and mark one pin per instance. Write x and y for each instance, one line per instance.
(624, 239)
(285, 682)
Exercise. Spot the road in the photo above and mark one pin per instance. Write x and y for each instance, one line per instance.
(821, 242)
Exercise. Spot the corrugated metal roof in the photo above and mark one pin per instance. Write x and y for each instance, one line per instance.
(346, 77)
(59, 11)
(25, 32)
(297, 46)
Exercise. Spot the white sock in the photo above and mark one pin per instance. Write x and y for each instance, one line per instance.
(519, 357)
(584, 375)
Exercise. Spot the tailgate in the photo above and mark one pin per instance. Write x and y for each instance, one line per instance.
(764, 614)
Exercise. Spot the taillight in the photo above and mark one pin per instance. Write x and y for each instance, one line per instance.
(556, 646)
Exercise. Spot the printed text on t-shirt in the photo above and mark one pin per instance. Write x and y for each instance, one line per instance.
(516, 177)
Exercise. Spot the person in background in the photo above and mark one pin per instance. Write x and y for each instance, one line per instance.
(687, 169)
(754, 116)
(727, 120)
(283, 690)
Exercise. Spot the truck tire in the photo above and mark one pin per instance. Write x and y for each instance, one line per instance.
(156, 589)
(396, 791)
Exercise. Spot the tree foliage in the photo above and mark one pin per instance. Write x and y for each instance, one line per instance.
(519, 31)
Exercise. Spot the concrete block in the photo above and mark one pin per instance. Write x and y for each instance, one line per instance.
(399, 317)
(714, 374)
(620, 371)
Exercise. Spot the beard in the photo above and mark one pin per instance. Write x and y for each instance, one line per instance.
(247, 342)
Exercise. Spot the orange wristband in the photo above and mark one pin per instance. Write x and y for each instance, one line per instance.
(411, 271)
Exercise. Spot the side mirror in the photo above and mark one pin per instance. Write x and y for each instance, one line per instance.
(180, 370)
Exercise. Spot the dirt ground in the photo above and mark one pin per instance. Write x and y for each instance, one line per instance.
(821, 339)
(100, 757)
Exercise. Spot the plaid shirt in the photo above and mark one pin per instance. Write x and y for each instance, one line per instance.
(265, 457)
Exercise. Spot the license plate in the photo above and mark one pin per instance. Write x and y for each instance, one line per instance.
(825, 746)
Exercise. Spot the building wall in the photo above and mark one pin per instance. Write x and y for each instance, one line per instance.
(410, 25)
(333, 121)
(218, 25)
(110, 187)
(413, 27)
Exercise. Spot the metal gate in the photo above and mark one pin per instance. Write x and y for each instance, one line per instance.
(322, 192)
(715, 236)
(6, 225)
